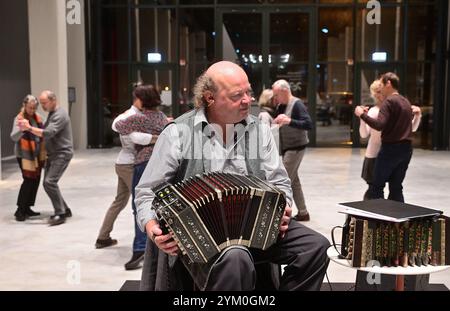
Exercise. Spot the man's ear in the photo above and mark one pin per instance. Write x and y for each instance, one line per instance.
(209, 97)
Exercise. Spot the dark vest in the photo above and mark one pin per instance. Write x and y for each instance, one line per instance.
(292, 138)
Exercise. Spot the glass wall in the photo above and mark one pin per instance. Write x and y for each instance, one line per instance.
(322, 44)
(242, 43)
(386, 37)
(334, 97)
(289, 46)
(196, 48)
(420, 72)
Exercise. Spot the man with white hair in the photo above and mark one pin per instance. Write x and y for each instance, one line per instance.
(57, 133)
(295, 121)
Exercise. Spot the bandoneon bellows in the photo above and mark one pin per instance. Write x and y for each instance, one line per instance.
(210, 212)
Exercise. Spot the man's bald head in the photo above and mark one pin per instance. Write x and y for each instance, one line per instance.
(225, 92)
(213, 79)
(221, 72)
(224, 68)
(48, 94)
(48, 101)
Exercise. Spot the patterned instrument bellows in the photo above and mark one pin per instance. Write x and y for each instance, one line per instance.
(210, 212)
(417, 242)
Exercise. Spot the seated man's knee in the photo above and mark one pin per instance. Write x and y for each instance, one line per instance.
(238, 257)
(240, 261)
(323, 243)
(233, 271)
(321, 246)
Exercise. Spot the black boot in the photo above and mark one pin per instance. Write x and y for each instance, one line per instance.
(30, 213)
(105, 243)
(20, 214)
(68, 212)
(134, 262)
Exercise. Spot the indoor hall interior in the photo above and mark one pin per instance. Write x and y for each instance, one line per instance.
(38, 257)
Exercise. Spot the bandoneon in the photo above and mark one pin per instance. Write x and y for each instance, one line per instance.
(210, 212)
(417, 242)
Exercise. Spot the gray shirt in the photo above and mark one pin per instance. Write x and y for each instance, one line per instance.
(58, 133)
(167, 156)
(16, 134)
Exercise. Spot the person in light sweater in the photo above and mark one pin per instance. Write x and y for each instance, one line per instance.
(124, 168)
(151, 121)
(374, 142)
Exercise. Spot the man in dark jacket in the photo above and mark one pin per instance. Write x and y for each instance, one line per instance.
(295, 122)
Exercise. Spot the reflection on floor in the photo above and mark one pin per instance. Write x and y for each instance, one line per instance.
(334, 134)
(38, 257)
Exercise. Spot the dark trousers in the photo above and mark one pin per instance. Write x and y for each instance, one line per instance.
(54, 169)
(28, 190)
(302, 250)
(367, 174)
(140, 238)
(391, 166)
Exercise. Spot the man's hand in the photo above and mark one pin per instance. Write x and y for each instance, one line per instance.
(285, 221)
(282, 119)
(153, 140)
(416, 110)
(359, 110)
(23, 124)
(164, 242)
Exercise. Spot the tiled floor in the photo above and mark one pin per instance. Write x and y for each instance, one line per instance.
(37, 257)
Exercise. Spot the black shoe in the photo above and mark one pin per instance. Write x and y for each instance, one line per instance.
(20, 215)
(56, 220)
(30, 213)
(302, 217)
(68, 212)
(105, 243)
(135, 261)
